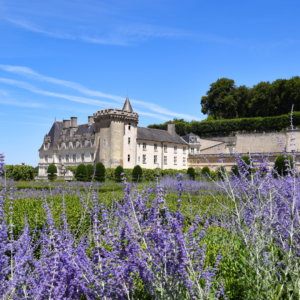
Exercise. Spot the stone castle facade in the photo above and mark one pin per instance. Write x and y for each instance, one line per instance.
(113, 137)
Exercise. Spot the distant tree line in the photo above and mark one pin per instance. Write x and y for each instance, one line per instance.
(225, 100)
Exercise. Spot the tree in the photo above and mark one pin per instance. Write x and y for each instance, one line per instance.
(191, 173)
(221, 173)
(118, 171)
(52, 172)
(90, 172)
(282, 164)
(205, 171)
(81, 173)
(219, 101)
(100, 172)
(137, 173)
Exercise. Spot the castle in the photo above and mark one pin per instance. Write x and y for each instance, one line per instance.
(113, 137)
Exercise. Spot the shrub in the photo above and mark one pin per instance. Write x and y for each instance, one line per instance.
(100, 172)
(246, 159)
(280, 164)
(90, 172)
(137, 173)
(81, 173)
(191, 173)
(19, 172)
(235, 170)
(52, 172)
(118, 171)
(221, 172)
(205, 171)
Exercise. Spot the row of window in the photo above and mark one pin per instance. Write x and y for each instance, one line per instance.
(195, 152)
(68, 159)
(155, 160)
(76, 144)
(155, 147)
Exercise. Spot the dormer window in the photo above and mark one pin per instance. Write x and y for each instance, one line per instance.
(129, 126)
(129, 141)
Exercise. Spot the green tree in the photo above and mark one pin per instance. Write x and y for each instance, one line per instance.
(219, 101)
(100, 172)
(52, 172)
(205, 171)
(118, 171)
(137, 173)
(90, 172)
(191, 173)
(81, 173)
(281, 162)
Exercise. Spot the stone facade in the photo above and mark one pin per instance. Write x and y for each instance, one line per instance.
(113, 137)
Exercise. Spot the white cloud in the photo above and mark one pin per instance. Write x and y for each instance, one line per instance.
(24, 71)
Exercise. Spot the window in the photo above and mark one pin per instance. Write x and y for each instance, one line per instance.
(184, 149)
(184, 161)
(175, 160)
(155, 159)
(128, 141)
(67, 158)
(128, 158)
(59, 158)
(165, 148)
(129, 126)
(139, 159)
(74, 157)
(165, 160)
(144, 146)
(144, 158)
(92, 156)
(92, 143)
(192, 139)
(192, 150)
(46, 158)
(59, 145)
(198, 150)
(155, 147)
(175, 149)
(139, 145)
(74, 144)
(82, 157)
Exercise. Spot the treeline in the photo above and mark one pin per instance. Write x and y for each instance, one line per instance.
(224, 126)
(225, 100)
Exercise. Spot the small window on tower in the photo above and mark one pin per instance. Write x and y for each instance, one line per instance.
(129, 126)
(128, 141)
(128, 157)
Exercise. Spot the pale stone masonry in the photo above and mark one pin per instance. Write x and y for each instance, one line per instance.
(113, 137)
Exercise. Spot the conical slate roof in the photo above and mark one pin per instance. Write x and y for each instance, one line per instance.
(127, 106)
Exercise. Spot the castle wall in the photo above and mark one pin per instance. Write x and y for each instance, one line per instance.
(116, 143)
(129, 148)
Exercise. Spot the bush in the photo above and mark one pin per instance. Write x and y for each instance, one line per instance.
(137, 173)
(235, 170)
(221, 172)
(118, 171)
(191, 173)
(246, 159)
(205, 171)
(100, 172)
(19, 172)
(90, 172)
(52, 172)
(81, 173)
(280, 164)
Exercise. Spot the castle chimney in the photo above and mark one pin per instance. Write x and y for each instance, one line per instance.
(66, 124)
(73, 121)
(171, 129)
(90, 120)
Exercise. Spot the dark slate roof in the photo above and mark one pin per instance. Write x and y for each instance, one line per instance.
(57, 127)
(186, 137)
(157, 135)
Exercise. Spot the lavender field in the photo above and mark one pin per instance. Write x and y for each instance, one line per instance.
(175, 238)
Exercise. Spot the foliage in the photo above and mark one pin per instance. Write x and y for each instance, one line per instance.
(283, 163)
(118, 171)
(235, 170)
(100, 172)
(81, 173)
(191, 173)
(90, 172)
(224, 100)
(52, 172)
(19, 172)
(182, 127)
(2, 163)
(137, 173)
(205, 171)
(221, 173)
(72, 169)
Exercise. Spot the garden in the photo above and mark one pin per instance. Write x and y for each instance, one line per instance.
(165, 235)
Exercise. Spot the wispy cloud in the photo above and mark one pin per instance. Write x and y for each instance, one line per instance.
(24, 71)
(30, 123)
(21, 104)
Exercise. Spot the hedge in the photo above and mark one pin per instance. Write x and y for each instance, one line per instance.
(99, 190)
(249, 124)
(19, 172)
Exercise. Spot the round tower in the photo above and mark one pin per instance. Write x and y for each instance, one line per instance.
(116, 133)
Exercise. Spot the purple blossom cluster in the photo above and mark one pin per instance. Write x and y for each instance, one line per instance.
(137, 249)
(2, 163)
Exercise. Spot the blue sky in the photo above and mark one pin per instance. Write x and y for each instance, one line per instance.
(63, 58)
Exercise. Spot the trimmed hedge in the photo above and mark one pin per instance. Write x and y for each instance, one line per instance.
(280, 164)
(100, 172)
(90, 172)
(100, 190)
(52, 170)
(19, 172)
(191, 173)
(81, 173)
(137, 173)
(118, 171)
(205, 171)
